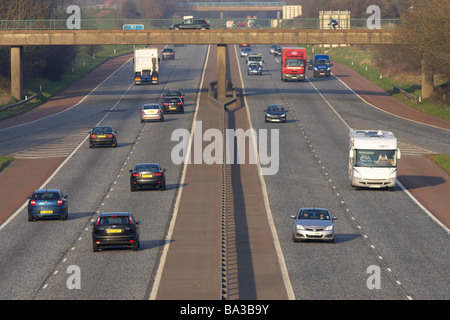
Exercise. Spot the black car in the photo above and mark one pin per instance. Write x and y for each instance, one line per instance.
(168, 53)
(102, 136)
(173, 104)
(147, 175)
(47, 203)
(193, 23)
(174, 93)
(275, 112)
(115, 229)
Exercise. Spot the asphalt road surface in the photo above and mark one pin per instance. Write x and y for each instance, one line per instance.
(376, 230)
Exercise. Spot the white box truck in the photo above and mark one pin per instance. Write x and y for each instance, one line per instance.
(146, 66)
(373, 159)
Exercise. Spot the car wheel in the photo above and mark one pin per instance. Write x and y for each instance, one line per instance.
(91, 146)
(95, 247)
(162, 119)
(64, 217)
(163, 187)
(135, 245)
(31, 219)
(132, 188)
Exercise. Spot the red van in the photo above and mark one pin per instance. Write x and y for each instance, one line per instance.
(293, 62)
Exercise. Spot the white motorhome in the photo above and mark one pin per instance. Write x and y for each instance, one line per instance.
(255, 57)
(373, 159)
(146, 66)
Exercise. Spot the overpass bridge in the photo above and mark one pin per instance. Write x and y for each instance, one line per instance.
(220, 37)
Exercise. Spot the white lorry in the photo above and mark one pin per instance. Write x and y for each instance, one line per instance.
(373, 159)
(146, 66)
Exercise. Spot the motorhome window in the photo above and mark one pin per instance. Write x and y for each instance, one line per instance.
(375, 158)
(294, 63)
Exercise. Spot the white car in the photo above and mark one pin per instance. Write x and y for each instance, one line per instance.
(245, 51)
(313, 224)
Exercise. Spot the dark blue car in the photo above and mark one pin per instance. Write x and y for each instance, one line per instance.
(322, 65)
(254, 68)
(47, 203)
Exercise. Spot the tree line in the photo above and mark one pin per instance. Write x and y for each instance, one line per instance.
(38, 61)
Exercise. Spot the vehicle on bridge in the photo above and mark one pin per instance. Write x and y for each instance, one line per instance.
(146, 66)
(192, 23)
(373, 159)
(293, 62)
(322, 65)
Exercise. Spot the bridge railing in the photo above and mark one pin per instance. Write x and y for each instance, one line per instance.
(116, 24)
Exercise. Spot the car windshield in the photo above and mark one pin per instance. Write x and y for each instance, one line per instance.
(102, 130)
(254, 65)
(275, 108)
(322, 62)
(375, 158)
(46, 196)
(294, 63)
(167, 50)
(314, 214)
(147, 167)
(113, 220)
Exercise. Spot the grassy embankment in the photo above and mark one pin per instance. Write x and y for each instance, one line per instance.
(362, 61)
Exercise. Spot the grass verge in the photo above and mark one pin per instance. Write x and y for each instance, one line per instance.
(4, 162)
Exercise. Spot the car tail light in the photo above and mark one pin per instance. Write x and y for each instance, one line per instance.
(92, 135)
(137, 79)
(136, 174)
(98, 221)
(131, 241)
(158, 174)
(181, 97)
(110, 135)
(60, 202)
(159, 111)
(131, 220)
(166, 104)
(179, 103)
(33, 202)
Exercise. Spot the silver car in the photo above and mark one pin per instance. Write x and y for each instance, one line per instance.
(313, 223)
(151, 111)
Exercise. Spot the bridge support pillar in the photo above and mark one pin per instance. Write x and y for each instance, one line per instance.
(16, 72)
(221, 71)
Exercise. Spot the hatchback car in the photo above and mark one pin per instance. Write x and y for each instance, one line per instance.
(151, 111)
(254, 68)
(313, 223)
(47, 203)
(174, 93)
(275, 113)
(173, 104)
(102, 136)
(277, 51)
(115, 229)
(245, 51)
(193, 23)
(168, 53)
(147, 175)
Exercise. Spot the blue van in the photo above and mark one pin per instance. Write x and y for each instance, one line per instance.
(322, 65)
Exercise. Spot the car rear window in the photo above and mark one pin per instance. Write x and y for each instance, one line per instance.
(46, 196)
(153, 167)
(151, 107)
(172, 99)
(110, 220)
(102, 130)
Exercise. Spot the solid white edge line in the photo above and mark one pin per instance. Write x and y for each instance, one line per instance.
(283, 267)
(409, 194)
(159, 272)
(76, 104)
(11, 217)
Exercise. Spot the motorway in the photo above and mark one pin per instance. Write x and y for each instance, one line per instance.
(375, 228)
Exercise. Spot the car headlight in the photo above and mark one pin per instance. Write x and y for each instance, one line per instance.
(315, 68)
(300, 227)
(329, 228)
